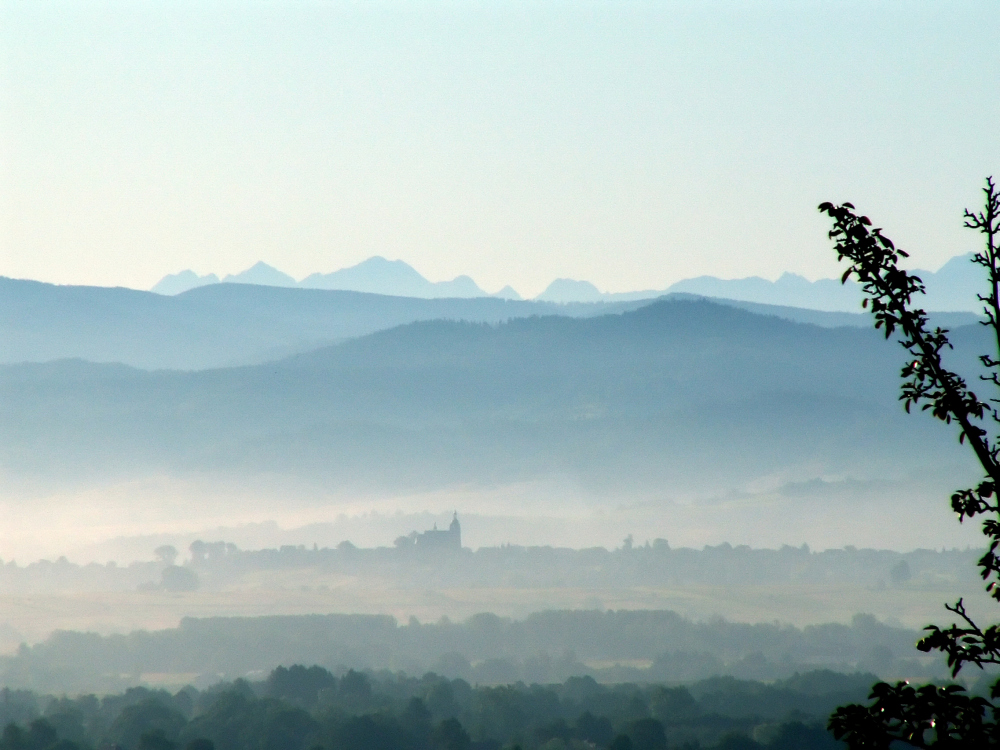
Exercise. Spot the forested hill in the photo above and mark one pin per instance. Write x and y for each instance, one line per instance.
(545, 647)
(219, 325)
(678, 391)
(302, 707)
(237, 324)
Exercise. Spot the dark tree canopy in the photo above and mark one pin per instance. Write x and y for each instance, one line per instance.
(935, 716)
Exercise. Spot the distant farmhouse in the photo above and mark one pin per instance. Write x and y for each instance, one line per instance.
(450, 538)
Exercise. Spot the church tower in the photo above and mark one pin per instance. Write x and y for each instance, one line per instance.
(450, 538)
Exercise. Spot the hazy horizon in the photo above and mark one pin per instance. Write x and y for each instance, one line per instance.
(631, 146)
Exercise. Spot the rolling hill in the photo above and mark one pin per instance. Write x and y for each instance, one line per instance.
(674, 394)
(219, 324)
(231, 324)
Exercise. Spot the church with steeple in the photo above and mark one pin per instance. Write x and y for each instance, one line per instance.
(450, 538)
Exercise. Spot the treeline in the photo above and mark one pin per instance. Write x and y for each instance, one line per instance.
(299, 708)
(616, 646)
(654, 563)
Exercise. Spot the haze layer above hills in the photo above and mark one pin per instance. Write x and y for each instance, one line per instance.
(951, 288)
(677, 394)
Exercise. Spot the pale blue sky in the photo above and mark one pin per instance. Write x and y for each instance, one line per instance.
(628, 143)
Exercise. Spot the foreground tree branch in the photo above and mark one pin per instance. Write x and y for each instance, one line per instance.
(933, 716)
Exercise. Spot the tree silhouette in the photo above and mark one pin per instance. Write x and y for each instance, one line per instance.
(935, 716)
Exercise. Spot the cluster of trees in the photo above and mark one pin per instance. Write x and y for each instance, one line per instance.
(652, 563)
(300, 708)
(213, 564)
(545, 647)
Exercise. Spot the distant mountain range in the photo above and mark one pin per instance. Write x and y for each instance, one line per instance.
(952, 288)
(374, 276)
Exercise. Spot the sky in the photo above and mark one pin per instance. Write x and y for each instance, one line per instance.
(631, 144)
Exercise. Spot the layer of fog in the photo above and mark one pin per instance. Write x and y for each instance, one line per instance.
(126, 521)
